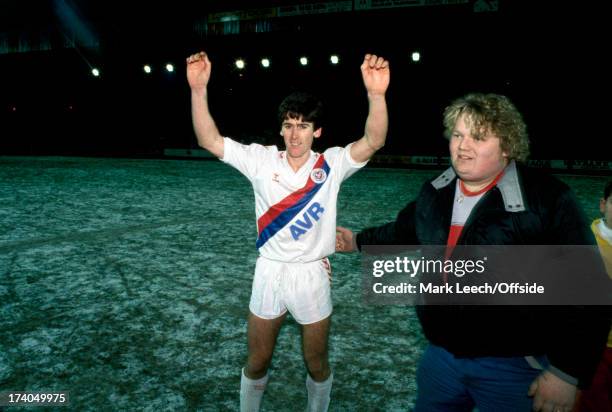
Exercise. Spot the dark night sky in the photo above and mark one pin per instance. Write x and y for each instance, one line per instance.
(538, 55)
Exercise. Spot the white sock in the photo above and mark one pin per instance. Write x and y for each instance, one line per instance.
(251, 392)
(318, 394)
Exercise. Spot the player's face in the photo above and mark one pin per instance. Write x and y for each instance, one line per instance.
(605, 206)
(477, 161)
(298, 136)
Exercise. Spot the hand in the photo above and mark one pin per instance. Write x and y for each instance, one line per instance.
(376, 74)
(552, 394)
(198, 70)
(344, 240)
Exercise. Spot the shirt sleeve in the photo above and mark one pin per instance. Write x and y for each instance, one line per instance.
(247, 159)
(341, 161)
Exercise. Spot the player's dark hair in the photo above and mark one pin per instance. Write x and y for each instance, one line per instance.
(301, 105)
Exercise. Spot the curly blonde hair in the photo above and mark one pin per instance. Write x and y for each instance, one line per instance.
(491, 113)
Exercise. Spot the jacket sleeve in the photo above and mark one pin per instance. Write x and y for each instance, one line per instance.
(400, 232)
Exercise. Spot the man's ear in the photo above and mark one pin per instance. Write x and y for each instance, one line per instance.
(317, 133)
(602, 206)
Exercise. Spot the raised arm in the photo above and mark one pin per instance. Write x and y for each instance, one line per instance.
(198, 75)
(376, 75)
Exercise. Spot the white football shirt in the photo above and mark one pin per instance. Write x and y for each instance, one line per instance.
(307, 231)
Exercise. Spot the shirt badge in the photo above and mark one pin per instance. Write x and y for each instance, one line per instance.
(318, 175)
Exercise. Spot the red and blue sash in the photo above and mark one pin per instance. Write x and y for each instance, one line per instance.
(284, 211)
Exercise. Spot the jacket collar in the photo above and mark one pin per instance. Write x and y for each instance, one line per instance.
(509, 186)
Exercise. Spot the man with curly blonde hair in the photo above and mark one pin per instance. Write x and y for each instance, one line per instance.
(491, 114)
(495, 358)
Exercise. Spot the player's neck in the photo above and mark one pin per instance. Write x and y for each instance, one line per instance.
(297, 162)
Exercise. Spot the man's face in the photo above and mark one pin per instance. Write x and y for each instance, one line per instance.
(605, 206)
(476, 160)
(298, 136)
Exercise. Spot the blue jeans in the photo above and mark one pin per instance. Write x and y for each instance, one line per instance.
(492, 384)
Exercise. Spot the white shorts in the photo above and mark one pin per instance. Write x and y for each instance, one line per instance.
(303, 289)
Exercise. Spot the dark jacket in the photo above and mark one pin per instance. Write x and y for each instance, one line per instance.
(526, 207)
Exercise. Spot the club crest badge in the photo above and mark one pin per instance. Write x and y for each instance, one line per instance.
(318, 175)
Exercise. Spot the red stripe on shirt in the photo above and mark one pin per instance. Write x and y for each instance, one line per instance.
(288, 201)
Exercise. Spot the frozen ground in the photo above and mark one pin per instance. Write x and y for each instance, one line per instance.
(126, 283)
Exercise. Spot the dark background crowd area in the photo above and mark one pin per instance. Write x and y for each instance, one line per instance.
(545, 56)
